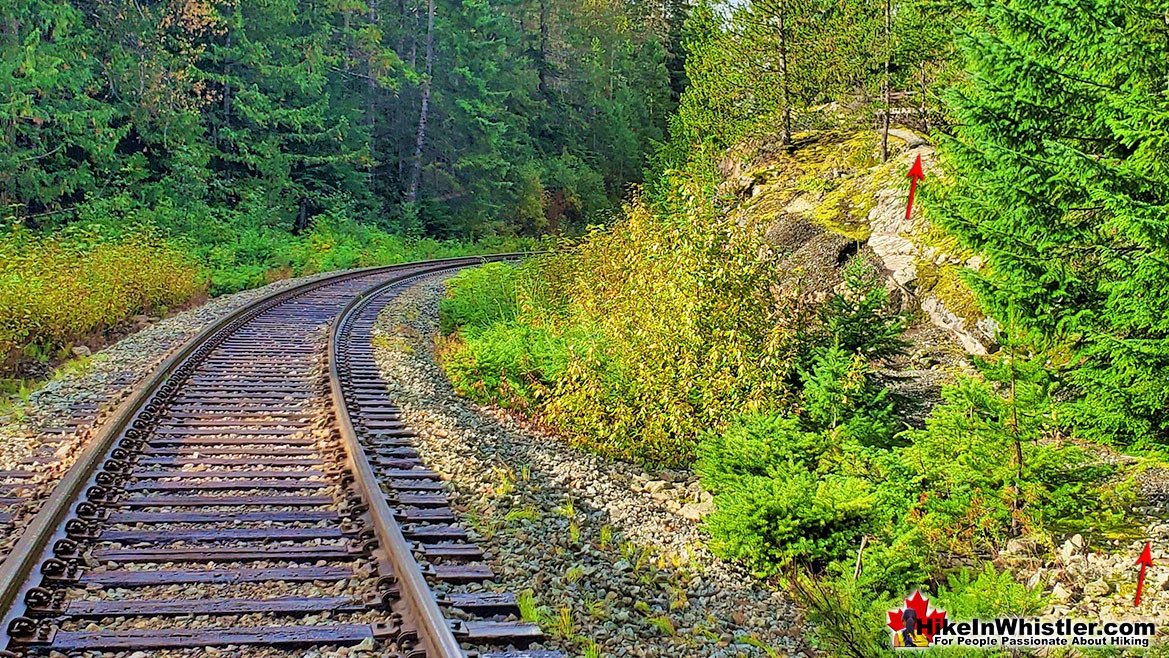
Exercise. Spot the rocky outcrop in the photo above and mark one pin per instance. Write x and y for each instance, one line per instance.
(831, 198)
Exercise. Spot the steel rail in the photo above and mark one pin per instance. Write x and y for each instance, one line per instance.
(436, 637)
(37, 538)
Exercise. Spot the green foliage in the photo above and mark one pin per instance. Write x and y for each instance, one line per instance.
(479, 297)
(1060, 183)
(846, 618)
(849, 618)
(507, 363)
(819, 52)
(840, 395)
(772, 507)
(77, 286)
(858, 319)
(985, 594)
(993, 468)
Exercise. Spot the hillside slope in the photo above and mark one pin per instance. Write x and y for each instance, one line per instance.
(831, 197)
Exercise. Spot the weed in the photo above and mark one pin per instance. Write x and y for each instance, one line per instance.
(506, 484)
(606, 537)
(574, 573)
(752, 641)
(522, 514)
(564, 624)
(663, 624)
(574, 532)
(598, 608)
(592, 650)
(530, 611)
(567, 510)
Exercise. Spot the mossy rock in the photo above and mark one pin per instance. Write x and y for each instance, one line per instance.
(945, 282)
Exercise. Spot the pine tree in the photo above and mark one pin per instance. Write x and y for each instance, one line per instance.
(1061, 184)
(279, 144)
(58, 139)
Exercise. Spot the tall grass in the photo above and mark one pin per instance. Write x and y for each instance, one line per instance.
(79, 283)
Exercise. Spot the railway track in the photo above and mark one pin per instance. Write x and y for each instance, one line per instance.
(260, 495)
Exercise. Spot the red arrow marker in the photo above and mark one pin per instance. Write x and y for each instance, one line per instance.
(915, 174)
(1145, 561)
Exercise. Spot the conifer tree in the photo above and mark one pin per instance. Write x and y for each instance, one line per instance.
(1061, 184)
(58, 137)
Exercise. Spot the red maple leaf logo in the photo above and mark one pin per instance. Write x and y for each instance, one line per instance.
(929, 619)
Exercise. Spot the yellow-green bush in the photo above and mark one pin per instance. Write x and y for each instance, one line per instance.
(668, 323)
(60, 289)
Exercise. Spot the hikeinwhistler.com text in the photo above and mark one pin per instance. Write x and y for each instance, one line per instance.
(1007, 632)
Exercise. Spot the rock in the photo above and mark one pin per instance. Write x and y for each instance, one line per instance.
(696, 511)
(1061, 593)
(81, 351)
(898, 255)
(974, 341)
(654, 486)
(1072, 547)
(1097, 588)
(1021, 547)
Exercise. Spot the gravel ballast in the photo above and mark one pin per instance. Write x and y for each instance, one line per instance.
(611, 553)
(46, 432)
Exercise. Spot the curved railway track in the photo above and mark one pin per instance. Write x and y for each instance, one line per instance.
(259, 493)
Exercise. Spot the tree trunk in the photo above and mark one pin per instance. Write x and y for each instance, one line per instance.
(786, 88)
(543, 63)
(420, 142)
(888, 84)
(925, 114)
(226, 94)
(371, 95)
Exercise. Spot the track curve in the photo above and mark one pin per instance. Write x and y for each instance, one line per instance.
(257, 492)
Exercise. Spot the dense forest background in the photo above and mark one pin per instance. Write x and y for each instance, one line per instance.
(445, 119)
(152, 151)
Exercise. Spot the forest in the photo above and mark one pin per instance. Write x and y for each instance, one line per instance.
(157, 153)
(237, 142)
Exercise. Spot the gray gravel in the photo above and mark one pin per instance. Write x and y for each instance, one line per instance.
(91, 386)
(611, 553)
(45, 433)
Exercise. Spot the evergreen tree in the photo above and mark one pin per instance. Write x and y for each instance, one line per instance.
(1061, 183)
(59, 139)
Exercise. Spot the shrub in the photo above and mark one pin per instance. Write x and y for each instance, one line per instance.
(479, 297)
(849, 616)
(772, 507)
(989, 593)
(846, 618)
(506, 363)
(790, 514)
(840, 395)
(79, 284)
(989, 466)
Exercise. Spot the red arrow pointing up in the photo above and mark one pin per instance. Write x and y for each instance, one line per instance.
(1145, 561)
(915, 174)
